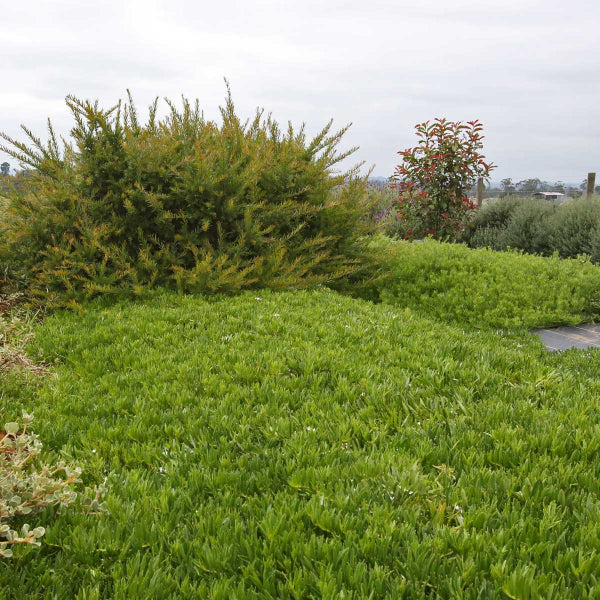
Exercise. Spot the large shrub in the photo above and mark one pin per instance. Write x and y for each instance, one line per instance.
(512, 222)
(181, 202)
(486, 228)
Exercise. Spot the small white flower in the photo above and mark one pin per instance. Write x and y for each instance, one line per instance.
(257, 298)
(276, 315)
(94, 451)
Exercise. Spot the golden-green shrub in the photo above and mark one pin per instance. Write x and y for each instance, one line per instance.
(181, 202)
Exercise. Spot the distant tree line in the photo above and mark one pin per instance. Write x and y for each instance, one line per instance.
(509, 187)
(530, 186)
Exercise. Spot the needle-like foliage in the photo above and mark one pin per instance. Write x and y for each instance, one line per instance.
(181, 202)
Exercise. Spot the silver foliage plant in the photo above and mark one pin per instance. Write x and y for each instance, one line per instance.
(28, 486)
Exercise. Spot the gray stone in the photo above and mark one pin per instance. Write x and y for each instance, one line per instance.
(564, 338)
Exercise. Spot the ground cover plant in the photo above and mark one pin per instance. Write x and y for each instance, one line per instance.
(483, 288)
(27, 486)
(309, 445)
(181, 202)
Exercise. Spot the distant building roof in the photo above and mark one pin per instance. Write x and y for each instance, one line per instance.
(552, 194)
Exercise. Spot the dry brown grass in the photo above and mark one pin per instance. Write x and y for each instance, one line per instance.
(12, 357)
(16, 325)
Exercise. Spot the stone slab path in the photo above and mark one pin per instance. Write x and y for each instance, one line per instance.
(564, 338)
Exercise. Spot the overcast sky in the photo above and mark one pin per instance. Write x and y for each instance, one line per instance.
(528, 69)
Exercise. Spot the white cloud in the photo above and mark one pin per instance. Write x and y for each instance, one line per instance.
(526, 69)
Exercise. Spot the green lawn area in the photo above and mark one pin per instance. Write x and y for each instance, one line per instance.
(305, 444)
(482, 288)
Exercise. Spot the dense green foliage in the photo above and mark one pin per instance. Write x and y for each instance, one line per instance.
(575, 229)
(308, 445)
(482, 288)
(295, 444)
(183, 203)
(539, 227)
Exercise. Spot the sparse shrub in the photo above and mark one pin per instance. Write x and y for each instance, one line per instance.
(383, 212)
(16, 324)
(382, 198)
(183, 203)
(435, 176)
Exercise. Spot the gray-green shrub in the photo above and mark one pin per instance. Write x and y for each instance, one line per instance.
(539, 227)
(528, 227)
(575, 229)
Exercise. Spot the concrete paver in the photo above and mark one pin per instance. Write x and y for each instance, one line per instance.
(557, 339)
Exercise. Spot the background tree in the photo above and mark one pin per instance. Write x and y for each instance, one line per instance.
(573, 192)
(435, 176)
(530, 185)
(507, 185)
(5, 168)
